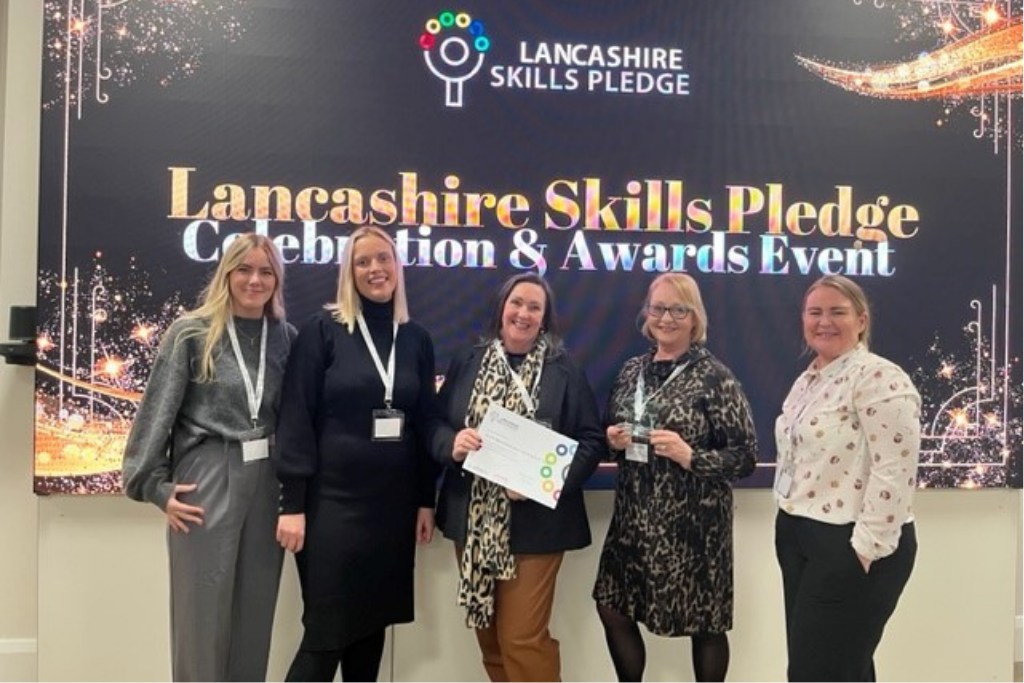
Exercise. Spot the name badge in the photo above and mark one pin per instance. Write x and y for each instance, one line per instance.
(784, 481)
(639, 448)
(637, 452)
(256, 449)
(388, 425)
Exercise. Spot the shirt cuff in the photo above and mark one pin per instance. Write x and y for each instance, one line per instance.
(293, 497)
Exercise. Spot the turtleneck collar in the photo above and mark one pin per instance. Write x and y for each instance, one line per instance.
(377, 311)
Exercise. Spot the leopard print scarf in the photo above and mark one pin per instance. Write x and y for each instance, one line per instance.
(487, 556)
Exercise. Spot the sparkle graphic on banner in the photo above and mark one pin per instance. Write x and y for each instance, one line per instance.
(83, 411)
(94, 354)
(89, 44)
(976, 64)
(970, 412)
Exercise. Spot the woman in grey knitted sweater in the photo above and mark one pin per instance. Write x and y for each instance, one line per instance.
(198, 450)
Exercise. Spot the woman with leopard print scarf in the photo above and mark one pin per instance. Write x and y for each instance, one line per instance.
(509, 549)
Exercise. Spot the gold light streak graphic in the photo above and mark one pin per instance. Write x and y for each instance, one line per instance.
(987, 62)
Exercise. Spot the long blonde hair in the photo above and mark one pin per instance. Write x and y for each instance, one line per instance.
(215, 299)
(346, 305)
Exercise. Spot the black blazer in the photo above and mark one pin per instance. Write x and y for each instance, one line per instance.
(567, 401)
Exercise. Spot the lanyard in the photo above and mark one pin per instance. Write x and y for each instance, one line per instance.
(388, 378)
(253, 396)
(639, 403)
(527, 396)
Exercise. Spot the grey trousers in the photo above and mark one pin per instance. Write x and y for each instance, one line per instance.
(225, 574)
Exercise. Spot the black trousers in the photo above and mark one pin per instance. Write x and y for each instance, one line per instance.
(835, 613)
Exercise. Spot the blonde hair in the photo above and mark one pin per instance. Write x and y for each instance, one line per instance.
(346, 305)
(215, 299)
(852, 291)
(686, 287)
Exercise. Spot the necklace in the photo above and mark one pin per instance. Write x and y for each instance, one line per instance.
(253, 339)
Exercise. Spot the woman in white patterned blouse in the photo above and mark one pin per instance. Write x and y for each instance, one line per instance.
(848, 440)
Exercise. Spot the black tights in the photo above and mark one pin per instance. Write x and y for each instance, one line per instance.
(360, 661)
(710, 652)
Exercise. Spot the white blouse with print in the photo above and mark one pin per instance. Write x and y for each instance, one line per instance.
(850, 435)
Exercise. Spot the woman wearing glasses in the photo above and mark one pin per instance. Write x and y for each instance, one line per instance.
(681, 431)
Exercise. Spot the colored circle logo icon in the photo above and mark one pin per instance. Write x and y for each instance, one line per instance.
(454, 45)
(548, 469)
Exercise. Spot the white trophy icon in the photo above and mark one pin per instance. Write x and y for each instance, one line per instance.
(454, 45)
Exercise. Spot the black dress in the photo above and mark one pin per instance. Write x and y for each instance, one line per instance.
(360, 496)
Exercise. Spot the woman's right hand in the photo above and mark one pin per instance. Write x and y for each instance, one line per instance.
(465, 441)
(291, 531)
(618, 437)
(179, 514)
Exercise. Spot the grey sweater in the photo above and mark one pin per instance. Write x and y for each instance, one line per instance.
(178, 413)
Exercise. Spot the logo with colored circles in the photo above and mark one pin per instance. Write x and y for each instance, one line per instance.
(551, 465)
(454, 45)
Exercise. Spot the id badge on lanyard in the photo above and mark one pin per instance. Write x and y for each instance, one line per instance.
(639, 449)
(786, 474)
(255, 445)
(784, 479)
(388, 424)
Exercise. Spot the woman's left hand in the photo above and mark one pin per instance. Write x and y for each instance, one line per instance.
(513, 496)
(424, 525)
(668, 444)
(864, 562)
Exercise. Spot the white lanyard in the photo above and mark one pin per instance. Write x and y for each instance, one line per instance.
(253, 396)
(527, 396)
(639, 404)
(388, 378)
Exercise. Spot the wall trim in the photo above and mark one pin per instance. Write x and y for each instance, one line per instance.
(20, 646)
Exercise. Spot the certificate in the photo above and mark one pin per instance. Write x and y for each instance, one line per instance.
(522, 455)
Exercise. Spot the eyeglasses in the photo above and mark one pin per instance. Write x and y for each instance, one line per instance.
(677, 312)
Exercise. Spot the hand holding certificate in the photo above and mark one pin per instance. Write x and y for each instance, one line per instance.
(522, 455)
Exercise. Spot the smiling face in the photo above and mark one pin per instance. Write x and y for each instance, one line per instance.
(522, 316)
(672, 330)
(374, 268)
(252, 283)
(832, 325)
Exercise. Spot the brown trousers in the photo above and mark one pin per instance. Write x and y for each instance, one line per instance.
(517, 646)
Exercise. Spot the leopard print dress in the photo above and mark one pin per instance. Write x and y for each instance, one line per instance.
(667, 559)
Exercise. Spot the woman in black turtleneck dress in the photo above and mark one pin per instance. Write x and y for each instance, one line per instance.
(357, 488)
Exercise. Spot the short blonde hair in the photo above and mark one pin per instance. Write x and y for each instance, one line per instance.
(852, 291)
(215, 299)
(346, 305)
(686, 287)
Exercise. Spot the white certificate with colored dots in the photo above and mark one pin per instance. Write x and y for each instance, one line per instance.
(522, 455)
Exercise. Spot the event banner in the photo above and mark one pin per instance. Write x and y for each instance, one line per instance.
(755, 145)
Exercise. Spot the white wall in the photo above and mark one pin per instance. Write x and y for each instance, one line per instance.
(101, 611)
(20, 48)
(103, 599)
